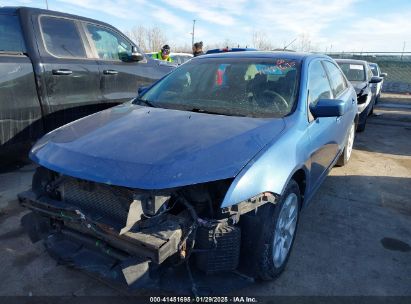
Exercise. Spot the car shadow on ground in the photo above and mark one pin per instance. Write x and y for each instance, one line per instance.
(375, 191)
(393, 140)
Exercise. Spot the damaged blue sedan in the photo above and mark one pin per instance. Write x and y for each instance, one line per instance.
(211, 166)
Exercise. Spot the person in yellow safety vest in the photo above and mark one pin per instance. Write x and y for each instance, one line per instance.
(164, 54)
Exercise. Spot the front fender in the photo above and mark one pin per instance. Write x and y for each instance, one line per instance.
(272, 168)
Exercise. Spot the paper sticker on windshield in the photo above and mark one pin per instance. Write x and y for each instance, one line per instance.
(281, 67)
(284, 64)
(268, 69)
(356, 67)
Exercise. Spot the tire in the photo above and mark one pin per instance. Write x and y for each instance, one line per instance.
(373, 106)
(361, 126)
(377, 98)
(372, 111)
(269, 264)
(346, 154)
(362, 121)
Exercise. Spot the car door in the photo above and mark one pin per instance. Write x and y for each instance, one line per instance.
(325, 132)
(340, 89)
(72, 77)
(20, 111)
(120, 75)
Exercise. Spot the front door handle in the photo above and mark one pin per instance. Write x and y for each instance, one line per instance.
(62, 72)
(353, 101)
(110, 72)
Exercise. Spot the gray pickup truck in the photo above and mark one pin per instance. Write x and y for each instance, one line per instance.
(56, 67)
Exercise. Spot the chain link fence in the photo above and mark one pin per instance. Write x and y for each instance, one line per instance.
(396, 65)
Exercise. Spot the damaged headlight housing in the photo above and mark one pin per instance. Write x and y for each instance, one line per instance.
(363, 98)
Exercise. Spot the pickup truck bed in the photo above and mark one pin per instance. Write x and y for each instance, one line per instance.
(20, 111)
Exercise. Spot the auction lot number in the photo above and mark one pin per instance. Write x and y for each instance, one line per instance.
(202, 300)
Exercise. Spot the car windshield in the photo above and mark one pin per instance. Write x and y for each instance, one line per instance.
(236, 87)
(353, 71)
(373, 68)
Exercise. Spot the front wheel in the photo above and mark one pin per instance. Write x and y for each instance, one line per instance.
(346, 154)
(278, 234)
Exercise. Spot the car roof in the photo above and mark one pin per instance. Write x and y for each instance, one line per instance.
(15, 9)
(9, 10)
(262, 54)
(351, 61)
(181, 54)
(227, 49)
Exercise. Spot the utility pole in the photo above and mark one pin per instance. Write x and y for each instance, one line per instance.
(403, 49)
(192, 34)
(47, 4)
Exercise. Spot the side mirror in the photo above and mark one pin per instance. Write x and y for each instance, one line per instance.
(328, 108)
(375, 79)
(135, 55)
(383, 75)
(141, 90)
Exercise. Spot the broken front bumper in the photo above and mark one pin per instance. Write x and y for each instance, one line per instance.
(153, 243)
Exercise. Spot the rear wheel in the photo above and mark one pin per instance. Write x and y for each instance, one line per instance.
(278, 234)
(346, 154)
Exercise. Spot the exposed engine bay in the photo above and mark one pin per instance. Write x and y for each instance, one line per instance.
(139, 230)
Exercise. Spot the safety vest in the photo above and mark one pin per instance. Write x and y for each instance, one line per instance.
(159, 56)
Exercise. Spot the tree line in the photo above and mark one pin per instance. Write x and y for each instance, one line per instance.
(151, 39)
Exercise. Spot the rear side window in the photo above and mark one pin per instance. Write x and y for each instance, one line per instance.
(11, 37)
(61, 37)
(318, 84)
(337, 79)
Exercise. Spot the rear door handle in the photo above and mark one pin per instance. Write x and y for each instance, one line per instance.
(353, 101)
(110, 72)
(62, 72)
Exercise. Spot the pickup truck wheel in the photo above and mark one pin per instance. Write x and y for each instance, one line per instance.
(346, 154)
(278, 234)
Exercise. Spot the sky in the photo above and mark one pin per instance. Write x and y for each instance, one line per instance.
(329, 25)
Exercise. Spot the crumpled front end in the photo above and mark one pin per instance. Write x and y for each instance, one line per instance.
(364, 95)
(131, 233)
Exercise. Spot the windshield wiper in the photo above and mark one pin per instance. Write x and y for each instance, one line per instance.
(197, 110)
(145, 102)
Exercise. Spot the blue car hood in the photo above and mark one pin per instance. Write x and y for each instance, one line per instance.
(153, 148)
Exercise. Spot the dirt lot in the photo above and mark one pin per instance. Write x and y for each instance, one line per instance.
(353, 239)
